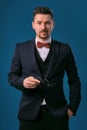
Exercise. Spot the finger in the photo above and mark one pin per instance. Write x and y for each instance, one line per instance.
(36, 80)
(32, 79)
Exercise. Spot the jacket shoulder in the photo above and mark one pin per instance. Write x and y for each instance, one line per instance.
(62, 44)
(25, 43)
(63, 48)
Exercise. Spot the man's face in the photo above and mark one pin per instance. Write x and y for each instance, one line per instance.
(43, 25)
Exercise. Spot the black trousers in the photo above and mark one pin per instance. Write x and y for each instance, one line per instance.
(45, 121)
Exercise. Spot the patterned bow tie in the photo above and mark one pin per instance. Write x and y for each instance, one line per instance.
(41, 44)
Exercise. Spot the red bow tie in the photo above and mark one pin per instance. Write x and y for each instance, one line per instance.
(41, 44)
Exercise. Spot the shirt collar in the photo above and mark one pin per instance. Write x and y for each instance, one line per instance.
(48, 40)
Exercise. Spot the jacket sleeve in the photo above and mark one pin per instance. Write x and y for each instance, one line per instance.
(73, 81)
(15, 76)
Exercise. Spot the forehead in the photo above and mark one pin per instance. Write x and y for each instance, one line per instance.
(42, 17)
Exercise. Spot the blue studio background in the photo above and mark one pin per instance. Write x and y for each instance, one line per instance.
(15, 26)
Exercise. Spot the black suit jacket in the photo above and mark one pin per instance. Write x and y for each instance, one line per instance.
(24, 64)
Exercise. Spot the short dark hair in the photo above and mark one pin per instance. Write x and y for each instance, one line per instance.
(43, 10)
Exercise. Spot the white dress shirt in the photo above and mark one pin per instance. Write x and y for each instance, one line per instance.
(43, 52)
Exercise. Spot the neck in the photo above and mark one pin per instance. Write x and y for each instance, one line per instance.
(43, 40)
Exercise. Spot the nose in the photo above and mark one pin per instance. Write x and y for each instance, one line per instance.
(43, 25)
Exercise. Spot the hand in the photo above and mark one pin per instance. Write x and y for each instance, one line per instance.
(70, 113)
(31, 82)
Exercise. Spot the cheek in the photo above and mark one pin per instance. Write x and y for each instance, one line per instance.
(36, 30)
(36, 27)
(50, 29)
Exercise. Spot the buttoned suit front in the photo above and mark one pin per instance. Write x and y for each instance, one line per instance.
(62, 61)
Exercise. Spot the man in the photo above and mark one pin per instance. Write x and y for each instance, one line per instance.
(37, 69)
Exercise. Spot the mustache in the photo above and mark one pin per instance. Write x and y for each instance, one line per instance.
(44, 30)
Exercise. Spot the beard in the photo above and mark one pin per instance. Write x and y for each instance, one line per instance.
(43, 34)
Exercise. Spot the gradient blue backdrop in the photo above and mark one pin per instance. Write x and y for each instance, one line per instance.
(15, 26)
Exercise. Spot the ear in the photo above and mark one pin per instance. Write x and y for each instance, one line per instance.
(33, 25)
(53, 24)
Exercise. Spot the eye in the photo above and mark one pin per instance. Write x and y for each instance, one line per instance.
(48, 23)
(39, 23)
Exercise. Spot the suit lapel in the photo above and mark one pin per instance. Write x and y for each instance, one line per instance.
(36, 72)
